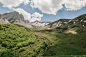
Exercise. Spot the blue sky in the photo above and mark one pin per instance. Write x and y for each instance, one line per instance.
(43, 11)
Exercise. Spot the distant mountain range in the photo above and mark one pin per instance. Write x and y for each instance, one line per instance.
(16, 18)
(77, 22)
(39, 24)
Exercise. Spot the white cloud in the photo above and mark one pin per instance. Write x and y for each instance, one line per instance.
(53, 6)
(13, 3)
(7, 11)
(47, 6)
(36, 16)
(34, 19)
(75, 4)
(26, 15)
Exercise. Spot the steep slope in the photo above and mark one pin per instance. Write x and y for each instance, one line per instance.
(58, 23)
(17, 40)
(2, 21)
(77, 22)
(66, 44)
(15, 18)
(73, 24)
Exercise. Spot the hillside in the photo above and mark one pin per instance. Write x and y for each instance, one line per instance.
(58, 23)
(17, 40)
(65, 37)
(78, 22)
(65, 44)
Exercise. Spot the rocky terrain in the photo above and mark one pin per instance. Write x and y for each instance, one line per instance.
(39, 24)
(14, 18)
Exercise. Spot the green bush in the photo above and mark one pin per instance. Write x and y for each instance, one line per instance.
(71, 22)
(30, 52)
(43, 45)
(37, 49)
(65, 28)
(4, 44)
(22, 49)
(7, 54)
(74, 26)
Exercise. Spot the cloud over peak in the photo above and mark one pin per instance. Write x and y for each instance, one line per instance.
(27, 16)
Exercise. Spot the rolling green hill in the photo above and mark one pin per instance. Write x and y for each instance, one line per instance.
(64, 44)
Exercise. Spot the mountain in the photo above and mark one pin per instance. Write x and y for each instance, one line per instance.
(19, 41)
(14, 18)
(77, 22)
(39, 24)
(67, 39)
(57, 23)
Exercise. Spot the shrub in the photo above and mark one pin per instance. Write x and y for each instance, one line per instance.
(21, 50)
(30, 52)
(7, 54)
(31, 42)
(43, 45)
(74, 26)
(19, 45)
(42, 37)
(71, 42)
(80, 30)
(36, 49)
(65, 28)
(71, 22)
(4, 44)
(58, 28)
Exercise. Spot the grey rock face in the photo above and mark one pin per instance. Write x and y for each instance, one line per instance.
(14, 18)
(2, 21)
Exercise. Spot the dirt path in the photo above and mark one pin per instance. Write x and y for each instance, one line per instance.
(71, 31)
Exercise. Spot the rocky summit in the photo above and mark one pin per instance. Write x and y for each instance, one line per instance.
(14, 18)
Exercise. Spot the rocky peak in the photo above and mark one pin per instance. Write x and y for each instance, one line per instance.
(15, 15)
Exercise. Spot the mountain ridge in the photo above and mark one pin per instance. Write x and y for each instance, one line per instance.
(14, 18)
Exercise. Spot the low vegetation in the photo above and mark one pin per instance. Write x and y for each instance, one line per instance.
(17, 41)
(62, 43)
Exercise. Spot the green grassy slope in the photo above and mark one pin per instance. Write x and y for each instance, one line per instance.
(65, 44)
(19, 41)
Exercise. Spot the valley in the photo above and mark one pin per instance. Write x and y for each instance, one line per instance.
(21, 38)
